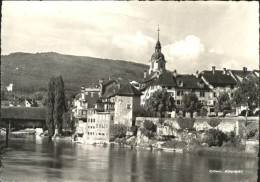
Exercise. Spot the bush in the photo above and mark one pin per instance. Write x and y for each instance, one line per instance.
(233, 141)
(251, 133)
(134, 130)
(118, 130)
(214, 122)
(243, 113)
(147, 133)
(215, 138)
(150, 126)
(186, 123)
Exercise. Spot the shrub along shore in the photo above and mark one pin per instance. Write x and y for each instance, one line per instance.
(211, 142)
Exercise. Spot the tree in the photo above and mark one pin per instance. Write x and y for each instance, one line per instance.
(56, 105)
(118, 130)
(160, 101)
(247, 94)
(223, 103)
(191, 103)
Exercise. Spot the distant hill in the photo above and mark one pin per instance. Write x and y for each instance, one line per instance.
(31, 72)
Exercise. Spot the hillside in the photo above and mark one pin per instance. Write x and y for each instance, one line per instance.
(31, 72)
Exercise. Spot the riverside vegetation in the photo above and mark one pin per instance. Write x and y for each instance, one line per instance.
(187, 139)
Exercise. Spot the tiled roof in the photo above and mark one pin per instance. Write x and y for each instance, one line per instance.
(241, 73)
(190, 82)
(91, 100)
(109, 89)
(218, 78)
(128, 90)
(26, 113)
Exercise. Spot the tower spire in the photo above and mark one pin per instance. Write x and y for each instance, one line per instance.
(158, 30)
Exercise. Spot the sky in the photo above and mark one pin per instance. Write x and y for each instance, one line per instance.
(194, 35)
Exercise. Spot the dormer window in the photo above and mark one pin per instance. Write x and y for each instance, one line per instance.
(181, 83)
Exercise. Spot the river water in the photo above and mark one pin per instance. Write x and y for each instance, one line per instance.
(39, 160)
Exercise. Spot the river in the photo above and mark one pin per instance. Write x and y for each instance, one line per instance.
(39, 160)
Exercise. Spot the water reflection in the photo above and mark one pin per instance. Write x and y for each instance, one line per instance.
(31, 160)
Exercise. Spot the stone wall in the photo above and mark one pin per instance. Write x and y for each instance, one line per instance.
(169, 126)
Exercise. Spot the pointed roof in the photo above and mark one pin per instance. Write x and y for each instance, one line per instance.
(218, 78)
(128, 90)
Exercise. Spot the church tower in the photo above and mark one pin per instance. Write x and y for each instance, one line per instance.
(157, 62)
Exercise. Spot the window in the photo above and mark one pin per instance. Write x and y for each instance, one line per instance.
(202, 94)
(172, 94)
(179, 93)
(112, 118)
(169, 87)
(128, 106)
(178, 102)
(232, 94)
(214, 94)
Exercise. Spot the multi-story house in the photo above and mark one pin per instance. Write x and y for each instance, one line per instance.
(127, 105)
(84, 100)
(218, 81)
(191, 83)
(101, 117)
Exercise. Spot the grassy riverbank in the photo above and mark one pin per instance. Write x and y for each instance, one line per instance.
(222, 152)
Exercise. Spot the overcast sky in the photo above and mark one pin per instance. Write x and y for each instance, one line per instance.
(194, 35)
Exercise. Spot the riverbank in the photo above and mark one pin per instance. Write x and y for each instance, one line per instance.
(199, 150)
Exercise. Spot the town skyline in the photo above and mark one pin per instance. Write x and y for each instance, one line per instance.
(216, 33)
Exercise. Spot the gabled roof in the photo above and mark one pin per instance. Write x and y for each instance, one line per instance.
(190, 82)
(25, 113)
(128, 90)
(110, 89)
(163, 79)
(218, 78)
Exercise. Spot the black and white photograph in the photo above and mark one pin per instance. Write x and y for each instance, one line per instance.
(137, 91)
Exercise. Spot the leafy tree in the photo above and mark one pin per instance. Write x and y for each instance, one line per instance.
(150, 126)
(56, 105)
(247, 94)
(160, 101)
(191, 103)
(118, 130)
(223, 103)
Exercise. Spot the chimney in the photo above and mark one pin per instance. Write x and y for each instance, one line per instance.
(82, 88)
(82, 92)
(197, 74)
(101, 81)
(244, 69)
(175, 73)
(224, 71)
(213, 69)
(145, 74)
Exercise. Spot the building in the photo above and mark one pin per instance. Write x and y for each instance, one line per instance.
(9, 88)
(127, 105)
(100, 117)
(84, 100)
(158, 78)
(218, 81)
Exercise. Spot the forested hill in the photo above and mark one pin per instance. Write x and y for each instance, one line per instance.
(31, 72)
